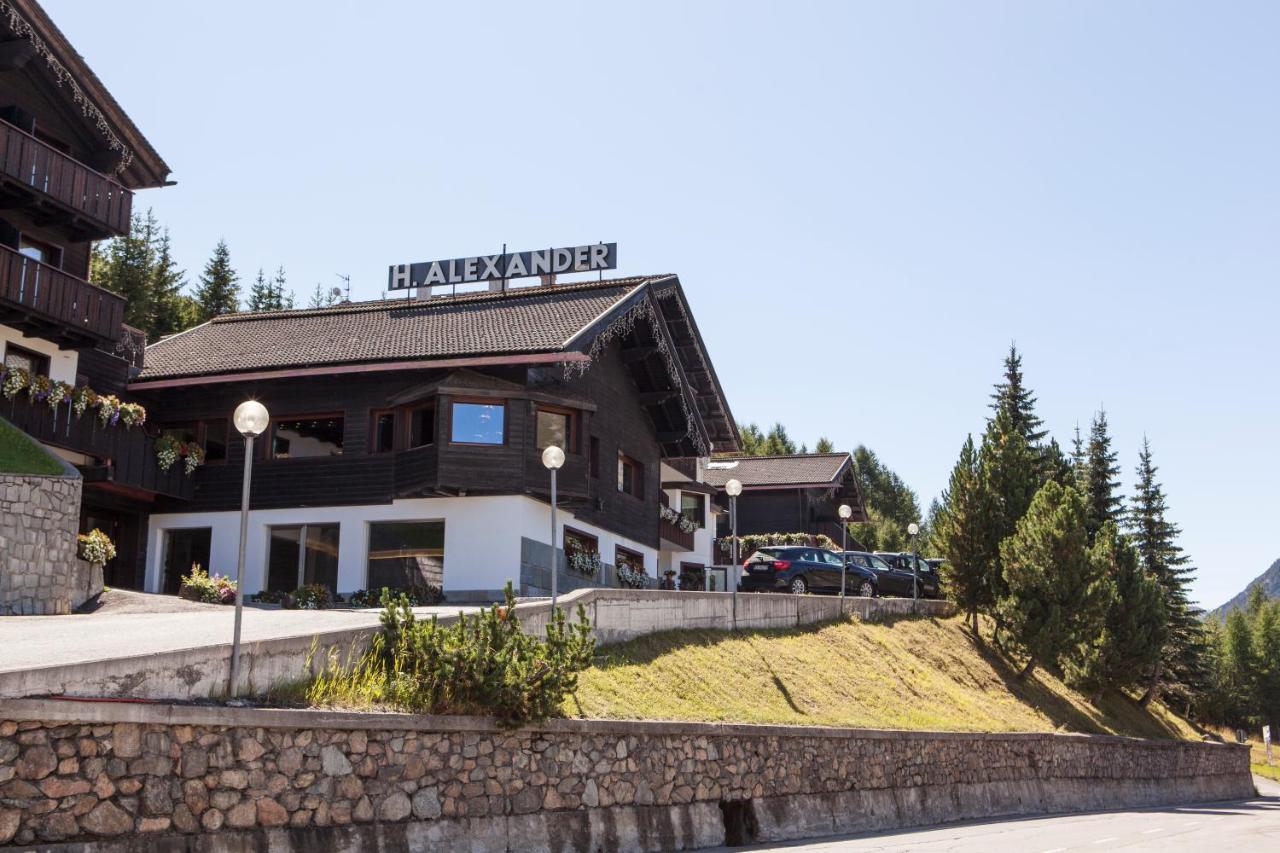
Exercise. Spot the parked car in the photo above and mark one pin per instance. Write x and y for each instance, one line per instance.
(904, 565)
(799, 569)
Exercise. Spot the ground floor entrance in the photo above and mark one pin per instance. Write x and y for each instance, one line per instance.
(124, 520)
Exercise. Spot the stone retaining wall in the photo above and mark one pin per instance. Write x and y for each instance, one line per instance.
(39, 570)
(299, 780)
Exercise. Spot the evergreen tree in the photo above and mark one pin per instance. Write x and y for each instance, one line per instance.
(883, 490)
(752, 439)
(171, 311)
(261, 294)
(1053, 590)
(962, 528)
(219, 289)
(1015, 400)
(1103, 502)
(1133, 636)
(321, 298)
(1010, 476)
(1056, 465)
(283, 301)
(1156, 539)
(1078, 460)
(778, 443)
(824, 445)
(128, 269)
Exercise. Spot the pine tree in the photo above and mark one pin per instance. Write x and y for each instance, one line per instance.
(1056, 465)
(321, 298)
(1156, 539)
(1053, 590)
(128, 269)
(219, 289)
(171, 311)
(752, 439)
(962, 529)
(778, 443)
(283, 301)
(1078, 463)
(1133, 636)
(1013, 398)
(261, 296)
(824, 445)
(1010, 476)
(883, 490)
(1103, 502)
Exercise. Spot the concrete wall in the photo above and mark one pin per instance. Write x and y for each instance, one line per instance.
(39, 570)
(616, 614)
(256, 779)
(482, 551)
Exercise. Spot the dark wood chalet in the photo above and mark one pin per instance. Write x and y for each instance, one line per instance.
(70, 162)
(406, 437)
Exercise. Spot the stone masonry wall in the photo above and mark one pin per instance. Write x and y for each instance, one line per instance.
(39, 570)
(195, 770)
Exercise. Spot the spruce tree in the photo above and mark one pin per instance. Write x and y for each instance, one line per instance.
(283, 301)
(1103, 502)
(1010, 476)
(1132, 638)
(824, 445)
(1053, 590)
(962, 529)
(1013, 398)
(1180, 667)
(219, 289)
(261, 295)
(1078, 465)
(778, 443)
(128, 269)
(321, 298)
(171, 312)
(752, 440)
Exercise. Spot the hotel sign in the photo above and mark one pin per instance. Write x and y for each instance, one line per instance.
(500, 267)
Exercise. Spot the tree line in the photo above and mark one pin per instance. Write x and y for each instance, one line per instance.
(140, 267)
(1243, 656)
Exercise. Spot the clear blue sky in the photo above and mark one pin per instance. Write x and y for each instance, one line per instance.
(866, 202)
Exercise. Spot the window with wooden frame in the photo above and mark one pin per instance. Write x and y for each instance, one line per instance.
(307, 436)
(478, 422)
(420, 425)
(630, 476)
(556, 426)
(626, 558)
(382, 431)
(209, 435)
(39, 250)
(16, 357)
(693, 506)
(577, 542)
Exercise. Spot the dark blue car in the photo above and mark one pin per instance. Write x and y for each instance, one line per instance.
(799, 569)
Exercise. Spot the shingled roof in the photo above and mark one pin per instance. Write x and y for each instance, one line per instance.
(520, 320)
(804, 469)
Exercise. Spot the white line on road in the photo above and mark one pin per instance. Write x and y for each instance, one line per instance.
(1106, 840)
(1152, 831)
(1192, 823)
(1055, 850)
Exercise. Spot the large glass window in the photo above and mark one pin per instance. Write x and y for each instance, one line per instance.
(215, 441)
(422, 426)
(693, 506)
(300, 438)
(383, 432)
(302, 554)
(405, 554)
(555, 428)
(479, 423)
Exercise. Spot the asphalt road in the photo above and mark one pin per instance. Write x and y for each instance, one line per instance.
(1253, 825)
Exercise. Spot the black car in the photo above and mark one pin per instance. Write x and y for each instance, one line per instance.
(904, 565)
(799, 569)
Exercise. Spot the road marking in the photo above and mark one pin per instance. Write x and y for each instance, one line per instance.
(1192, 823)
(1150, 831)
(1107, 840)
(1055, 850)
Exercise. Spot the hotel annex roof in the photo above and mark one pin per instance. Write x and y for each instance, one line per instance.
(806, 469)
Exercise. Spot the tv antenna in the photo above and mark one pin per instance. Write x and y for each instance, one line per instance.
(338, 291)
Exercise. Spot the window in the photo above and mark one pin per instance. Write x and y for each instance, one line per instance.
(301, 438)
(38, 250)
(18, 357)
(630, 476)
(479, 423)
(215, 440)
(693, 506)
(422, 426)
(298, 555)
(382, 433)
(625, 557)
(406, 553)
(555, 427)
(577, 542)
(182, 549)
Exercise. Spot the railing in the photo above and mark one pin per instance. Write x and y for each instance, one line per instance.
(670, 532)
(52, 294)
(66, 180)
(127, 454)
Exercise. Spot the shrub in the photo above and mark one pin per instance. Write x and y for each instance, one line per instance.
(211, 589)
(95, 547)
(480, 664)
(422, 595)
(313, 596)
(272, 596)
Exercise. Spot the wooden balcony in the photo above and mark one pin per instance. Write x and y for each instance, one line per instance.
(672, 535)
(48, 302)
(123, 459)
(64, 192)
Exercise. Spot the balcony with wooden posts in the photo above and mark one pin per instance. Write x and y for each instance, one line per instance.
(673, 536)
(58, 190)
(120, 458)
(43, 300)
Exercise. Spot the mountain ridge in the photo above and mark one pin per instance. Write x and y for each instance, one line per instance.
(1270, 580)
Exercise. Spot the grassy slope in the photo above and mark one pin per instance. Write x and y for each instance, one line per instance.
(909, 674)
(20, 455)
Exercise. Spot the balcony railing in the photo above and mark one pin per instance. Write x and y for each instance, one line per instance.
(123, 456)
(672, 534)
(102, 204)
(47, 293)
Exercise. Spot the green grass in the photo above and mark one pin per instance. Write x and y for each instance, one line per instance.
(21, 455)
(924, 674)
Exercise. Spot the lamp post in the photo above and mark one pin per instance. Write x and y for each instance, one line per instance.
(845, 512)
(552, 459)
(733, 488)
(251, 421)
(912, 530)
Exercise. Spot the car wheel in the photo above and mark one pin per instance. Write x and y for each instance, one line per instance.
(798, 586)
(866, 590)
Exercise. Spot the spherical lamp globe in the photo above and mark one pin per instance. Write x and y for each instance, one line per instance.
(552, 457)
(251, 418)
(733, 487)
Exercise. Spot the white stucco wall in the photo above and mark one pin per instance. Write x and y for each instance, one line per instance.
(482, 538)
(62, 363)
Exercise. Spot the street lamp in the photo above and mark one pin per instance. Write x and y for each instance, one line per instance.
(251, 421)
(552, 459)
(733, 488)
(845, 512)
(913, 530)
